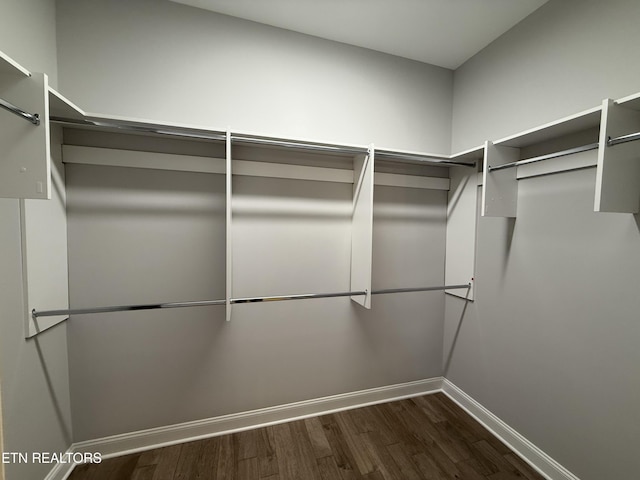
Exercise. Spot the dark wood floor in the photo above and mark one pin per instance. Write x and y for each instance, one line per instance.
(426, 437)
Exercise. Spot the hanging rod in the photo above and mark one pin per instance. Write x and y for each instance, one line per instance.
(304, 296)
(31, 117)
(419, 289)
(632, 137)
(563, 153)
(315, 146)
(155, 129)
(125, 308)
(417, 158)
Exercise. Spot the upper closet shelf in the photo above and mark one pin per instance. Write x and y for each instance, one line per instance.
(586, 120)
(421, 158)
(471, 155)
(136, 126)
(632, 101)
(59, 106)
(78, 120)
(10, 66)
(562, 138)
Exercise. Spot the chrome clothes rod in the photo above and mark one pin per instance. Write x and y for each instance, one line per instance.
(419, 289)
(417, 158)
(154, 129)
(304, 296)
(126, 308)
(632, 137)
(563, 153)
(30, 117)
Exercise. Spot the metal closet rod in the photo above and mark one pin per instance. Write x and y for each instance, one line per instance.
(563, 153)
(632, 137)
(304, 296)
(30, 117)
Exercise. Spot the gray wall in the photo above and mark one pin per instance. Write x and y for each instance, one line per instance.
(169, 62)
(550, 344)
(139, 236)
(566, 57)
(34, 373)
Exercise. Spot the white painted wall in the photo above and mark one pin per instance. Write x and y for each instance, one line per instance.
(550, 344)
(169, 62)
(34, 373)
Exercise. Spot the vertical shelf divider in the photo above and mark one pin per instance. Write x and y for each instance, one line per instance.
(229, 236)
(500, 188)
(362, 227)
(25, 169)
(618, 170)
(462, 214)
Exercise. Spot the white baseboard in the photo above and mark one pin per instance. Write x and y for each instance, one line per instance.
(142, 440)
(185, 432)
(61, 471)
(536, 458)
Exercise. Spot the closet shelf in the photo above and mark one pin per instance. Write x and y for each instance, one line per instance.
(11, 67)
(306, 145)
(140, 127)
(421, 158)
(60, 106)
(472, 155)
(566, 137)
(632, 102)
(585, 120)
(78, 119)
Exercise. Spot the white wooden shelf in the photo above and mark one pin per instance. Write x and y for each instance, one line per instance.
(632, 101)
(11, 67)
(586, 120)
(59, 106)
(475, 154)
(536, 151)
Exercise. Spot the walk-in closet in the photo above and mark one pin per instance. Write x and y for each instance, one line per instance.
(299, 240)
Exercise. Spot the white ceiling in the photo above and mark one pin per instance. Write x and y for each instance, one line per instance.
(440, 32)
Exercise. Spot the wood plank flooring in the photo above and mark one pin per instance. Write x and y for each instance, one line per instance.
(427, 437)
